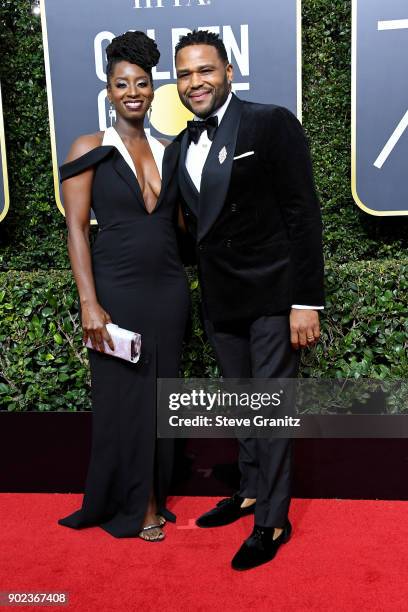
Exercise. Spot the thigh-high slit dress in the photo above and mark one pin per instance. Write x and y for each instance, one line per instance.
(141, 283)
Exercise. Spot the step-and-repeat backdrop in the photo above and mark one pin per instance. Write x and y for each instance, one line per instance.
(380, 106)
(4, 193)
(262, 37)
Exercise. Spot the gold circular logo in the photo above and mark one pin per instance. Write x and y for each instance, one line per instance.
(169, 116)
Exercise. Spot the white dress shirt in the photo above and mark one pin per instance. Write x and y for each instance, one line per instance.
(196, 157)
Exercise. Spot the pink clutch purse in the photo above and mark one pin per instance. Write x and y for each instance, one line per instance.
(127, 344)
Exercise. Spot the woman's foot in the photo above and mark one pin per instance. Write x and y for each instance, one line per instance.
(152, 533)
(152, 524)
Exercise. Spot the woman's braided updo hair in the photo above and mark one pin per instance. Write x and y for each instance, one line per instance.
(133, 47)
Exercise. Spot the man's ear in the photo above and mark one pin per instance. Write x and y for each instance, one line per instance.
(230, 72)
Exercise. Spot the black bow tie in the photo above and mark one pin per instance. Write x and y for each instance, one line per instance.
(196, 128)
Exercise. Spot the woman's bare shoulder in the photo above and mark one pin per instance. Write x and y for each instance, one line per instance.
(83, 145)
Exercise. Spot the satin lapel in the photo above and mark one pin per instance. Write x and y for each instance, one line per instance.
(188, 189)
(169, 168)
(124, 171)
(217, 169)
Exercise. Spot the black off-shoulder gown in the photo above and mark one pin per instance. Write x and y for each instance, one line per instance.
(141, 283)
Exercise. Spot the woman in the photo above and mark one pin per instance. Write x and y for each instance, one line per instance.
(133, 278)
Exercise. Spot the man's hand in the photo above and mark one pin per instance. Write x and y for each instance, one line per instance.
(304, 327)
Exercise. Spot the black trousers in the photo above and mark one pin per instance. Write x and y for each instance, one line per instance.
(260, 348)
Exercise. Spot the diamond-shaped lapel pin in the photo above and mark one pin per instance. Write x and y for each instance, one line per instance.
(222, 155)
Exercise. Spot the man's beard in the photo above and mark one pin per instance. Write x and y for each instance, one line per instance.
(216, 103)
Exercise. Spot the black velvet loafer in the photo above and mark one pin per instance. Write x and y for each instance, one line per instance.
(260, 547)
(227, 511)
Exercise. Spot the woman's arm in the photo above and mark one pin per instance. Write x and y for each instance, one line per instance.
(77, 192)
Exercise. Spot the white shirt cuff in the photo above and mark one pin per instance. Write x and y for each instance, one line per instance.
(300, 307)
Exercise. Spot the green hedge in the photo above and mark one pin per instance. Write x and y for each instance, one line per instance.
(43, 365)
(33, 232)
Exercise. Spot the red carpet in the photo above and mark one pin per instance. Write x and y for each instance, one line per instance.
(344, 555)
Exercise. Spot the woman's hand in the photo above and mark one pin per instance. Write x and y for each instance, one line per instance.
(94, 320)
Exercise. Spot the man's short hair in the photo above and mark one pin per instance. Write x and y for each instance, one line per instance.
(203, 37)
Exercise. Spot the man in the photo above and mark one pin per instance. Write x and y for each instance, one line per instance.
(250, 203)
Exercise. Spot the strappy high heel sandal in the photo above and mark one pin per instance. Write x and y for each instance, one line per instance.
(159, 538)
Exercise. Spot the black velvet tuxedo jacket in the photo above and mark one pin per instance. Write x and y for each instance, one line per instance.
(256, 222)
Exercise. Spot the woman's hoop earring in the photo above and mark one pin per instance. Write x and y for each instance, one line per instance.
(112, 113)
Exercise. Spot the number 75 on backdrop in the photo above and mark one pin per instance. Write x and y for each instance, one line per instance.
(380, 106)
(262, 38)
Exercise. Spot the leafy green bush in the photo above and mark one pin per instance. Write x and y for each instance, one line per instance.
(43, 365)
(365, 327)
